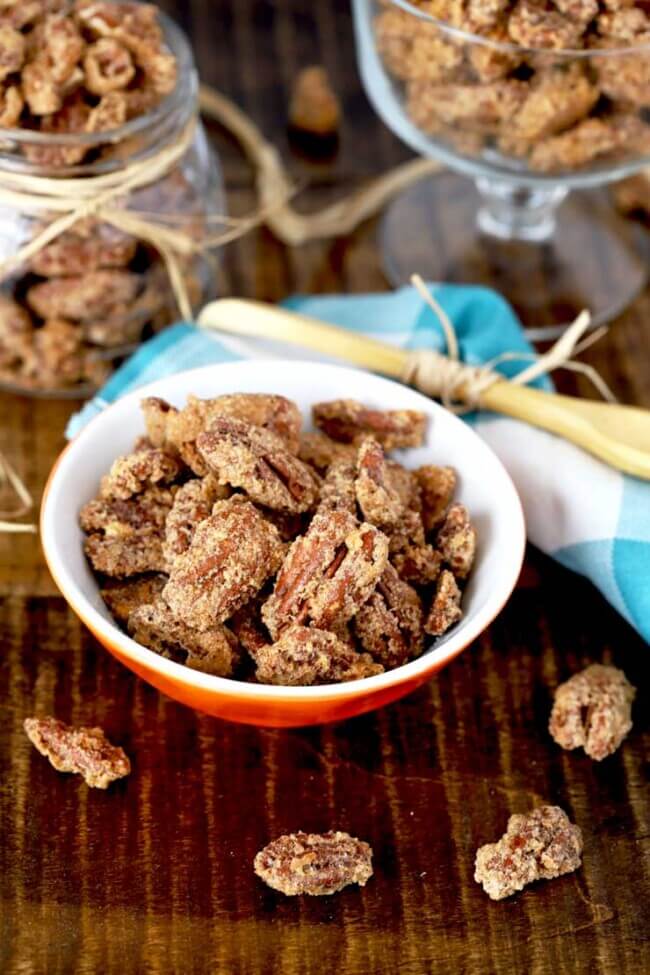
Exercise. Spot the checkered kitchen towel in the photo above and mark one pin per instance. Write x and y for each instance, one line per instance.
(586, 515)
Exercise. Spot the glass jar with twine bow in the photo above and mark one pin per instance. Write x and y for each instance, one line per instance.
(105, 237)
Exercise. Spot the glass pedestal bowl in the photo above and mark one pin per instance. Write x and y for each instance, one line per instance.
(530, 105)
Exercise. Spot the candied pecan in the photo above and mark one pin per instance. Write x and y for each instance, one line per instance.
(232, 554)
(437, 486)
(304, 656)
(249, 629)
(122, 598)
(11, 105)
(320, 451)
(456, 541)
(60, 46)
(539, 845)
(408, 534)
(12, 50)
(581, 11)
(270, 411)
(389, 625)
(416, 50)
(328, 573)
(87, 296)
(445, 608)
(419, 564)
(626, 76)
(481, 108)
(156, 412)
(625, 24)
(255, 459)
(132, 473)
(125, 538)
(314, 863)
(109, 113)
(379, 501)
(92, 247)
(214, 650)
(41, 92)
(557, 99)
(346, 420)
(71, 117)
(483, 14)
(338, 489)
(108, 66)
(85, 751)
(57, 353)
(592, 710)
(314, 107)
(539, 24)
(573, 149)
(192, 504)
(21, 13)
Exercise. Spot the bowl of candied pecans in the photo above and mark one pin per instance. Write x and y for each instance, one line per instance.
(529, 98)
(282, 558)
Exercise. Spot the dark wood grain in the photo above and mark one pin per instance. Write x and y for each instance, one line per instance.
(155, 875)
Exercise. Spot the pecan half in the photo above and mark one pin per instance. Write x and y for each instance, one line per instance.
(213, 651)
(126, 537)
(132, 473)
(445, 607)
(389, 625)
(314, 863)
(539, 845)
(378, 499)
(328, 573)
(456, 541)
(256, 460)
(347, 420)
(108, 66)
(437, 486)
(305, 655)
(86, 751)
(232, 554)
(192, 504)
(593, 710)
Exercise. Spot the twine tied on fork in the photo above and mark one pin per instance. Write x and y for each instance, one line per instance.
(459, 385)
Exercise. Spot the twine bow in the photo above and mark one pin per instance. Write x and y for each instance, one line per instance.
(459, 386)
(105, 198)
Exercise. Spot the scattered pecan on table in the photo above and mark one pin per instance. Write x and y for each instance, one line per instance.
(314, 863)
(86, 751)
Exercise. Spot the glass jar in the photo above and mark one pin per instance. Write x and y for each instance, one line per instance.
(72, 310)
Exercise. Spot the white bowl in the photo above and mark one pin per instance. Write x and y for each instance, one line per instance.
(484, 487)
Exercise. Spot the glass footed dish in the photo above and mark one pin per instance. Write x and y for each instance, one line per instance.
(530, 103)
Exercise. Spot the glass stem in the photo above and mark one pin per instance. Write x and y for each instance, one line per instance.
(512, 212)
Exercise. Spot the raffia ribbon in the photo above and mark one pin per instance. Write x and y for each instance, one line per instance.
(459, 386)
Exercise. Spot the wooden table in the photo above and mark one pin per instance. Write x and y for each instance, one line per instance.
(155, 875)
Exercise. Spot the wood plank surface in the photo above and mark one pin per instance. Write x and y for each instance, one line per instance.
(155, 876)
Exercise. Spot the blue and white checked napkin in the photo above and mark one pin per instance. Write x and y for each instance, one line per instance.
(586, 515)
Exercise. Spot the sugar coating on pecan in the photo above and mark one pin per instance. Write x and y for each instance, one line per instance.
(192, 504)
(122, 597)
(314, 107)
(419, 564)
(389, 625)
(305, 655)
(456, 541)
(92, 247)
(445, 607)
(557, 99)
(418, 52)
(593, 710)
(437, 486)
(481, 107)
(255, 459)
(85, 751)
(321, 451)
(585, 142)
(232, 554)
(132, 473)
(268, 410)
(539, 845)
(213, 651)
(314, 863)
(379, 501)
(328, 573)
(347, 420)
